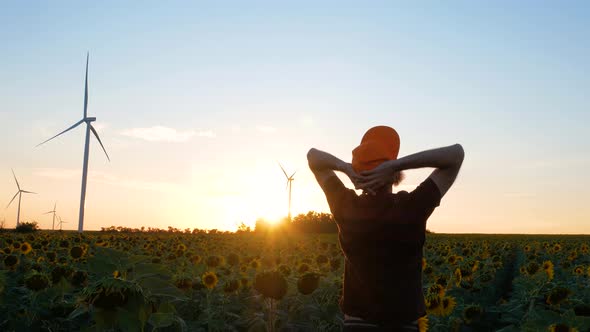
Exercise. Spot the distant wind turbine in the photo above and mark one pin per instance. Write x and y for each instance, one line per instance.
(19, 194)
(89, 128)
(290, 180)
(61, 222)
(52, 211)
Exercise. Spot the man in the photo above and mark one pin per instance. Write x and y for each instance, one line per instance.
(382, 233)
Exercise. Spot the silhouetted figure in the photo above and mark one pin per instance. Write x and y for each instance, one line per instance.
(382, 233)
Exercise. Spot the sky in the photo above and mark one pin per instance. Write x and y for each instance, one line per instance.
(197, 102)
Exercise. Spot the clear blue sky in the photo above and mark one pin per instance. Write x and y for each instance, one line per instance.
(197, 101)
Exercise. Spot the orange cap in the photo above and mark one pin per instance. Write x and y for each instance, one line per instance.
(379, 144)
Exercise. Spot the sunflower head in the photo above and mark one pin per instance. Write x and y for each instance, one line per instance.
(76, 252)
(209, 279)
(423, 324)
(26, 248)
(231, 286)
(308, 283)
(557, 296)
(447, 305)
(579, 270)
(36, 281)
(11, 261)
(472, 313)
(271, 284)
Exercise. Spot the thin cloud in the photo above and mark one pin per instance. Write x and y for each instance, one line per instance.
(162, 134)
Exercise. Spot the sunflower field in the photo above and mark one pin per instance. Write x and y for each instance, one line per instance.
(140, 281)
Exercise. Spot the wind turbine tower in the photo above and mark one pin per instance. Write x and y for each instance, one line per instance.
(89, 128)
(52, 211)
(290, 180)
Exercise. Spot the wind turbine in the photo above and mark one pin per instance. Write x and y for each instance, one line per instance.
(89, 128)
(19, 194)
(289, 186)
(61, 222)
(52, 211)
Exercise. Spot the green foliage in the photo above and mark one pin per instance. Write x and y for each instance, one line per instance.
(27, 227)
(152, 281)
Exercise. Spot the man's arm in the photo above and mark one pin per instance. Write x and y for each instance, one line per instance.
(447, 161)
(323, 165)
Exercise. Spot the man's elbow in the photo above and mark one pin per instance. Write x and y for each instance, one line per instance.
(311, 157)
(460, 153)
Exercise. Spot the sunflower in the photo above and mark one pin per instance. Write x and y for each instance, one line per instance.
(308, 283)
(447, 305)
(557, 296)
(36, 281)
(255, 264)
(181, 247)
(556, 247)
(472, 313)
(527, 248)
(196, 259)
(548, 268)
(210, 279)
(183, 283)
(561, 328)
(579, 270)
(11, 261)
(423, 324)
(271, 284)
(584, 248)
(457, 275)
(116, 274)
(244, 281)
(231, 286)
(26, 248)
(433, 306)
(532, 268)
(572, 255)
(475, 266)
(436, 290)
(76, 252)
(214, 261)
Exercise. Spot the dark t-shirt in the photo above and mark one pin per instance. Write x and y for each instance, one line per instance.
(382, 238)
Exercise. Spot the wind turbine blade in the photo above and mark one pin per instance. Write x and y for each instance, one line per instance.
(291, 177)
(283, 170)
(99, 141)
(18, 192)
(86, 88)
(72, 127)
(28, 192)
(287, 187)
(48, 212)
(15, 179)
